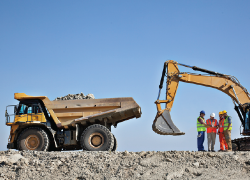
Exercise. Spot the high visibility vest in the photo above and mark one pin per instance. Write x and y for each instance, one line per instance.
(211, 129)
(221, 123)
(226, 124)
(200, 127)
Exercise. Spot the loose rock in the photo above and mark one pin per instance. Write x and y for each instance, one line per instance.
(75, 96)
(196, 164)
(123, 165)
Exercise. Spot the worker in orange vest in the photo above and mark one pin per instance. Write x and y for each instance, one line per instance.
(211, 132)
(221, 133)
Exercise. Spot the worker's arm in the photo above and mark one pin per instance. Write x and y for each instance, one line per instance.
(202, 122)
(217, 125)
(229, 124)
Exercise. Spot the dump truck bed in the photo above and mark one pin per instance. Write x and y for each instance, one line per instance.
(114, 110)
(71, 112)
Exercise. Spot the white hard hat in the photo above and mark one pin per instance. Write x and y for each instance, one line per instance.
(212, 115)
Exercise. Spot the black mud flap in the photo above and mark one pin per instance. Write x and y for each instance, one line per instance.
(164, 125)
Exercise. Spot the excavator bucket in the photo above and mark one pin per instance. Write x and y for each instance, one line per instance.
(164, 125)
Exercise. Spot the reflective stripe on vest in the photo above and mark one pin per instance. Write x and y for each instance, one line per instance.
(221, 122)
(200, 127)
(226, 124)
(211, 129)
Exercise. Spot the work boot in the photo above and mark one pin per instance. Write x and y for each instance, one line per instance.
(221, 150)
(213, 150)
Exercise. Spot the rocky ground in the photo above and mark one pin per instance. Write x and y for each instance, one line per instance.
(124, 165)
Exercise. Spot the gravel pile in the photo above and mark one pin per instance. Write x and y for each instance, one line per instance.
(124, 165)
(75, 96)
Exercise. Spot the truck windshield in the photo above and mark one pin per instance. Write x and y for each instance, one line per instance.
(22, 108)
(28, 109)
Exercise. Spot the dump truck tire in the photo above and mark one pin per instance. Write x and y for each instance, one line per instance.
(115, 144)
(33, 139)
(97, 138)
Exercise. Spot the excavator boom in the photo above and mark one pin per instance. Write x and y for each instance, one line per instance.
(163, 123)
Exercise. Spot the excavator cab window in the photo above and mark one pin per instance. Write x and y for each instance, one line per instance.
(247, 120)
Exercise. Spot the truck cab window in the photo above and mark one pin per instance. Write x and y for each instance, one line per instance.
(21, 109)
(29, 110)
(36, 109)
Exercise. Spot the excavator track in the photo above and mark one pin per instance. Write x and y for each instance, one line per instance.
(241, 144)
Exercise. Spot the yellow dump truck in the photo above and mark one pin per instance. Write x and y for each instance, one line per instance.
(43, 125)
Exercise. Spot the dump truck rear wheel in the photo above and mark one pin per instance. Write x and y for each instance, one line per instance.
(97, 138)
(33, 139)
(115, 144)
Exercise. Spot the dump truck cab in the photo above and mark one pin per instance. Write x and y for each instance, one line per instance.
(43, 125)
(28, 113)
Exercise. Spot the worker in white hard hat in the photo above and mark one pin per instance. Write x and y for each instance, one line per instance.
(211, 132)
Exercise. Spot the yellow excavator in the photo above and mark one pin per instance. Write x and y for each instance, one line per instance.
(228, 84)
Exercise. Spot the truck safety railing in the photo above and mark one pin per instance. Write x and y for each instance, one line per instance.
(8, 116)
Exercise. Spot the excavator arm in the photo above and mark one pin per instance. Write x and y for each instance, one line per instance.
(163, 123)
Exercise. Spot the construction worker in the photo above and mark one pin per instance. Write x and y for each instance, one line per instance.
(211, 132)
(221, 133)
(201, 128)
(227, 129)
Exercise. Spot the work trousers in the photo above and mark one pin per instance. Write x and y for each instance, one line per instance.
(228, 139)
(200, 140)
(222, 141)
(211, 140)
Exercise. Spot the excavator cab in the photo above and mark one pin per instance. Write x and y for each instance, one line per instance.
(245, 119)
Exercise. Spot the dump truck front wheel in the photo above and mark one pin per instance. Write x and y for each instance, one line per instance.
(33, 139)
(97, 138)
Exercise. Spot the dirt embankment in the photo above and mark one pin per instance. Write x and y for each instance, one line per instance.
(124, 165)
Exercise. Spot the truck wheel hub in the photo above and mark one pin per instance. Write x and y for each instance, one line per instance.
(32, 142)
(96, 140)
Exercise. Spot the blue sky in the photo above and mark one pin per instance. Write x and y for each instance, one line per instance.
(117, 49)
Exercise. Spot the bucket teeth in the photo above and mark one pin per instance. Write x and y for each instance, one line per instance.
(164, 125)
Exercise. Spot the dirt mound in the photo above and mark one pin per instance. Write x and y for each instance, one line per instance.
(124, 165)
